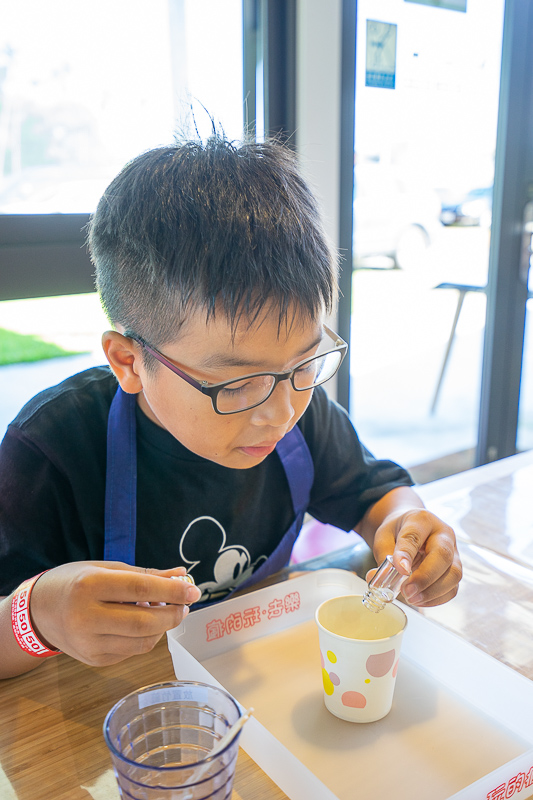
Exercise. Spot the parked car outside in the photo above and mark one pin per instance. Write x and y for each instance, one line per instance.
(472, 208)
(393, 217)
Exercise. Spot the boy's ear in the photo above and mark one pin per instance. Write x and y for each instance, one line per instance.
(124, 358)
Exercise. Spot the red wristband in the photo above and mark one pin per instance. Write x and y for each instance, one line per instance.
(21, 621)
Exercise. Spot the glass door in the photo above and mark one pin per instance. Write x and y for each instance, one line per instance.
(82, 90)
(426, 112)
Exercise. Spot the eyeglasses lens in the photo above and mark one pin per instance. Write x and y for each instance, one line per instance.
(249, 392)
(317, 371)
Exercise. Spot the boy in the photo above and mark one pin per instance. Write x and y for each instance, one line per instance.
(209, 438)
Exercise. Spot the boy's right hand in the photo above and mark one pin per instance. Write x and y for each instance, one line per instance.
(102, 612)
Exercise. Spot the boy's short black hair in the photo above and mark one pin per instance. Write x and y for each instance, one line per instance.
(213, 225)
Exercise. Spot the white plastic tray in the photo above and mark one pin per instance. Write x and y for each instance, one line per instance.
(461, 725)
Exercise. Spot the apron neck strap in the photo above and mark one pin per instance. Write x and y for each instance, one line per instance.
(121, 480)
(299, 468)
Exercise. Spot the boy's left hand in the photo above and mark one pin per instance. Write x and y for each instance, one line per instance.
(421, 542)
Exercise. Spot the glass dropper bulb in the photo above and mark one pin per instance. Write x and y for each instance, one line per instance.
(384, 587)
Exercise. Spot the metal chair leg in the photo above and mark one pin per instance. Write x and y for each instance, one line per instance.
(460, 301)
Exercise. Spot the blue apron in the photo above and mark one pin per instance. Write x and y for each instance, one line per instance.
(121, 488)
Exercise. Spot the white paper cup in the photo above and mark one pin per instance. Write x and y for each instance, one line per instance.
(359, 653)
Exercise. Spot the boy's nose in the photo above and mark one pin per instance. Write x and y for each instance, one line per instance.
(278, 410)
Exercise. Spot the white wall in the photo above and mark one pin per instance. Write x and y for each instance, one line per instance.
(318, 75)
(318, 91)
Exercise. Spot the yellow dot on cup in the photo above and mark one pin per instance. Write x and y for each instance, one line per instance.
(331, 657)
(367, 680)
(328, 685)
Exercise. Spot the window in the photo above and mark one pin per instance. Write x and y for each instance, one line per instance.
(85, 88)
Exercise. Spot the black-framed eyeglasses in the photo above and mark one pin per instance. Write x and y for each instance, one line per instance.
(241, 394)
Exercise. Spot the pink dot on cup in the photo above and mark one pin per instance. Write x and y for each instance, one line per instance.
(380, 664)
(353, 700)
(322, 664)
(395, 670)
(334, 679)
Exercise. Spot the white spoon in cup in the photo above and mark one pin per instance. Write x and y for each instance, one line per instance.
(223, 742)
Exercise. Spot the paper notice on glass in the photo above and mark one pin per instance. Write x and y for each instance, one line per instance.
(380, 54)
(452, 5)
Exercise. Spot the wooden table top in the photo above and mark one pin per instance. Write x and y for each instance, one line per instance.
(51, 742)
(491, 511)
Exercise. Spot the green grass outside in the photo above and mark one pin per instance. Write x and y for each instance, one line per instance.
(18, 348)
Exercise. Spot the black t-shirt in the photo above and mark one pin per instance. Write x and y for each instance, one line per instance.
(220, 523)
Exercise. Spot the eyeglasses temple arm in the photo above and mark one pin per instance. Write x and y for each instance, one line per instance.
(161, 358)
(338, 340)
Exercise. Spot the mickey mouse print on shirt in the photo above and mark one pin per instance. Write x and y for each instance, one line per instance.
(203, 547)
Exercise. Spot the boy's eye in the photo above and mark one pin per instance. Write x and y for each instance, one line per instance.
(307, 373)
(247, 392)
(235, 388)
(249, 386)
(239, 395)
(307, 368)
